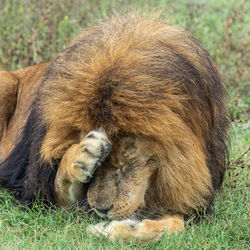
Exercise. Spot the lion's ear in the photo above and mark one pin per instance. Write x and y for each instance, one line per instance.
(8, 97)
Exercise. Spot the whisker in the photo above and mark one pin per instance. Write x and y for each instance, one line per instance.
(148, 213)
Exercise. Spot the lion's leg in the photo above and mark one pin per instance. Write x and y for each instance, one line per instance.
(8, 99)
(141, 230)
(78, 165)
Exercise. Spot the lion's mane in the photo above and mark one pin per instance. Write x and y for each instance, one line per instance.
(134, 75)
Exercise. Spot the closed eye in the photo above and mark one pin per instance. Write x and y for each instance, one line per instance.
(126, 168)
(151, 160)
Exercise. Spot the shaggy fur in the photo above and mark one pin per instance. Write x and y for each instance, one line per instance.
(136, 76)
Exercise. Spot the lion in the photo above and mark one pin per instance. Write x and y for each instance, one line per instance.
(128, 121)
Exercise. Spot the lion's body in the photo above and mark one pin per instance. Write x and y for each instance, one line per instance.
(17, 92)
(136, 77)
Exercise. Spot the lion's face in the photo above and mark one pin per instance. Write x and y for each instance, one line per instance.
(120, 185)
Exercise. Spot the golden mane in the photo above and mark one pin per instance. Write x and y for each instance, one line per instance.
(139, 75)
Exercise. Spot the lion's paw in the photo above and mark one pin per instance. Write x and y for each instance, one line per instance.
(93, 150)
(114, 229)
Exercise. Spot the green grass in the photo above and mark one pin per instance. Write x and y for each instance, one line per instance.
(33, 31)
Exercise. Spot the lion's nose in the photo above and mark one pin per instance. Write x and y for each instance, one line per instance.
(103, 210)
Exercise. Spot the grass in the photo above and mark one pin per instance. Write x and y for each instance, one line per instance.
(34, 31)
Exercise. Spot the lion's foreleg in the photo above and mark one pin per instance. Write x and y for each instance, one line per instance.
(140, 230)
(67, 189)
(78, 165)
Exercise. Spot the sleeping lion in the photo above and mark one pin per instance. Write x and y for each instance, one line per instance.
(128, 121)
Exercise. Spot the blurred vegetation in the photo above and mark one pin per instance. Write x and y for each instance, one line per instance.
(33, 31)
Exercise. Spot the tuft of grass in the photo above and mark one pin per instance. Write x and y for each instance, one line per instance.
(34, 31)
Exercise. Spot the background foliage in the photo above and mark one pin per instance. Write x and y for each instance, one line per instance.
(34, 31)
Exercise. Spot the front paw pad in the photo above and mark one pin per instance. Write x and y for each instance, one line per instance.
(93, 150)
